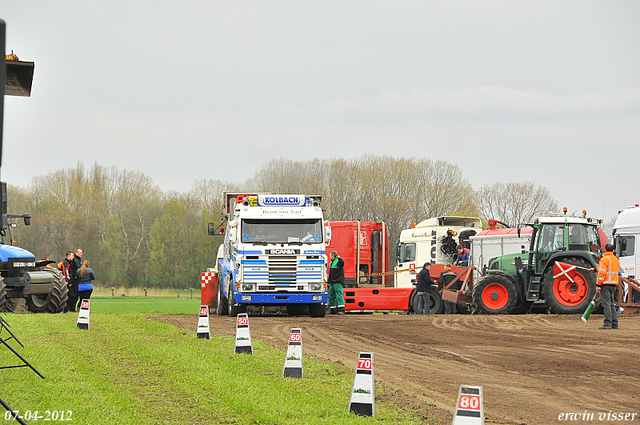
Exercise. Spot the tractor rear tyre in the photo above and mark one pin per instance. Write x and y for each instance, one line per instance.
(3, 295)
(53, 302)
(317, 310)
(569, 296)
(495, 294)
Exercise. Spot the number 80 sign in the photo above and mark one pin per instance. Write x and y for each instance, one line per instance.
(469, 402)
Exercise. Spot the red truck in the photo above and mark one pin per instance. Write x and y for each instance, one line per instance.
(364, 244)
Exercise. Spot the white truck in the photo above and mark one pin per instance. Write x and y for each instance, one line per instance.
(626, 238)
(433, 240)
(273, 254)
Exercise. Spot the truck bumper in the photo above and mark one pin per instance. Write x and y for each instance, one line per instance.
(281, 298)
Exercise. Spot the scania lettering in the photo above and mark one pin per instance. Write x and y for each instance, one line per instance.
(273, 255)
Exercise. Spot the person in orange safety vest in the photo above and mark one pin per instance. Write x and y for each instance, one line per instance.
(607, 284)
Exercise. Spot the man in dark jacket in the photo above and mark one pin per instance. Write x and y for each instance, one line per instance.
(446, 277)
(65, 267)
(336, 283)
(74, 266)
(423, 287)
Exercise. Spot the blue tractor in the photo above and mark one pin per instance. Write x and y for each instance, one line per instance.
(40, 283)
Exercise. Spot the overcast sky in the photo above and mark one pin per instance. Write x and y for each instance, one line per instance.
(511, 91)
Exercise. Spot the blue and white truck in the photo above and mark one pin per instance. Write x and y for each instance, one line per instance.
(273, 254)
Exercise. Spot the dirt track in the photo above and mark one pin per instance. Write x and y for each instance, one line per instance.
(532, 367)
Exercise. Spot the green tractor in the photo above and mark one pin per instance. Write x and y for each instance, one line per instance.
(514, 282)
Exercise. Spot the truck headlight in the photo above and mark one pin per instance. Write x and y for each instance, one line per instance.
(246, 298)
(315, 286)
(317, 298)
(247, 286)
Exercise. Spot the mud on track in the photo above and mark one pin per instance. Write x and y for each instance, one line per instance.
(532, 367)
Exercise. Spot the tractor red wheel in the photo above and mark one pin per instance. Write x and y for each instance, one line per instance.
(495, 294)
(565, 295)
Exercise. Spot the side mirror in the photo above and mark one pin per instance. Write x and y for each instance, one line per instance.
(27, 219)
(211, 229)
(327, 233)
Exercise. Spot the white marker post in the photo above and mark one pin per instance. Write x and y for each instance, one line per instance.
(293, 361)
(83, 315)
(470, 406)
(203, 323)
(362, 396)
(243, 336)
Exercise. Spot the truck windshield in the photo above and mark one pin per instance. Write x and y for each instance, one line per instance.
(257, 230)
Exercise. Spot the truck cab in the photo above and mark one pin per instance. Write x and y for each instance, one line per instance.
(273, 254)
(626, 239)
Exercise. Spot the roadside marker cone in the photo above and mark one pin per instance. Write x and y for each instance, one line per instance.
(362, 396)
(83, 315)
(243, 336)
(470, 406)
(203, 323)
(293, 361)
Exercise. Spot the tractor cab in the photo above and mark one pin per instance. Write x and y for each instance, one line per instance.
(551, 236)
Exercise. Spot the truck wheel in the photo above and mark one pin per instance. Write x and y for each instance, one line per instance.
(223, 304)
(3, 295)
(234, 310)
(53, 302)
(495, 294)
(522, 307)
(564, 296)
(436, 305)
(317, 310)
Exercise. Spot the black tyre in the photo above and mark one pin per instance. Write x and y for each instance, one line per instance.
(233, 309)
(223, 303)
(522, 307)
(53, 302)
(495, 294)
(436, 305)
(317, 310)
(3, 295)
(569, 296)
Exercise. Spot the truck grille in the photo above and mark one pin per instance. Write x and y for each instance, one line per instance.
(282, 273)
(282, 269)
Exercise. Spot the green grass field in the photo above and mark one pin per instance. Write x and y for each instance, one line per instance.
(129, 369)
(145, 304)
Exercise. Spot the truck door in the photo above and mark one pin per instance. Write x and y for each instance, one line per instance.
(406, 256)
(625, 250)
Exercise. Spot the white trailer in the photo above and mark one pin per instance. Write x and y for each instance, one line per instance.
(493, 243)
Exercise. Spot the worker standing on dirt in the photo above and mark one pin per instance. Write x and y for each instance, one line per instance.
(446, 277)
(463, 256)
(607, 284)
(336, 283)
(423, 287)
(65, 267)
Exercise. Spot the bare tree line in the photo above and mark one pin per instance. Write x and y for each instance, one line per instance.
(137, 235)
